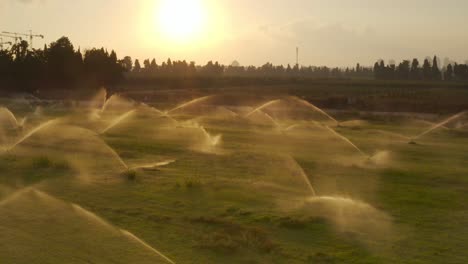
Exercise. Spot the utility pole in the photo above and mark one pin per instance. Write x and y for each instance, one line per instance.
(297, 57)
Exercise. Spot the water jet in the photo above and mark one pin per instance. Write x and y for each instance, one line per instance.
(184, 105)
(118, 120)
(349, 142)
(267, 104)
(436, 126)
(315, 108)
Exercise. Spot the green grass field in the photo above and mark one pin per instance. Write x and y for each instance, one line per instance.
(222, 183)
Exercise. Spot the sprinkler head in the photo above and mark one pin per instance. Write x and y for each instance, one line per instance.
(412, 142)
(130, 175)
(369, 160)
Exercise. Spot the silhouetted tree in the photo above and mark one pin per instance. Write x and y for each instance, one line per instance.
(153, 66)
(436, 74)
(102, 67)
(461, 72)
(415, 70)
(146, 65)
(427, 70)
(127, 63)
(448, 76)
(137, 67)
(403, 70)
(63, 63)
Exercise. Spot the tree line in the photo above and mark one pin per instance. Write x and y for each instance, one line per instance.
(57, 65)
(169, 68)
(428, 71)
(61, 65)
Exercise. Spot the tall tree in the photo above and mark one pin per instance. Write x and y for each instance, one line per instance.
(436, 74)
(427, 70)
(62, 61)
(403, 70)
(137, 67)
(127, 63)
(448, 76)
(415, 71)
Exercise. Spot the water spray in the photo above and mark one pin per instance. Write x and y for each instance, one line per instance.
(267, 104)
(118, 120)
(436, 126)
(184, 105)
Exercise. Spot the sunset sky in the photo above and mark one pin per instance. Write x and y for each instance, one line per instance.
(328, 32)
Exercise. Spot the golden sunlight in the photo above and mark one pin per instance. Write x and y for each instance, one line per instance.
(181, 20)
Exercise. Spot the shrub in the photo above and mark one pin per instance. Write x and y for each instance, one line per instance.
(231, 236)
(321, 258)
(292, 223)
(42, 163)
(62, 165)
(191, 183)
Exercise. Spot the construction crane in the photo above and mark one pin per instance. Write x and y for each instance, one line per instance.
(16, 38)
(4, 43)
(30, 35)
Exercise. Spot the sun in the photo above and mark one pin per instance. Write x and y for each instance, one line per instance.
(181, 20)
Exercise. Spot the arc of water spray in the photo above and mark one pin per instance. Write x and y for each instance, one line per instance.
(122, 231)
(106, 102)
(230, 111)
(118, 120)
(154, 165)
(267, 104)
(15, 195)
(102, 94)
(310, 105)
(293, 126)
(13, 117)
(154, 109)
(304, 176)
(32, 132)
(345, 139)
(441, 124)
(271, 118)
(161, 113)
(146, 245)
(194, 101)
(117, 156)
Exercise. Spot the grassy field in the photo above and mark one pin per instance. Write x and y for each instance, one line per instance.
(218, 181)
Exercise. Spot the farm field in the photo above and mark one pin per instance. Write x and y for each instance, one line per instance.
(233, 177)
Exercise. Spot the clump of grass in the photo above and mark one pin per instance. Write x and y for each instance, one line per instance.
(61, 165)
(320, 257)
(9, 157)
(130, 175)
(232, 210)
(42, 162)
(232, 236)
(127, 155)
(292, 223)
(159, 218)
(192, 183)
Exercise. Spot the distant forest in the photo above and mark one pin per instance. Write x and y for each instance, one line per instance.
(428, 71)
(60, 65)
